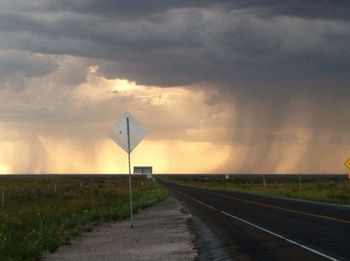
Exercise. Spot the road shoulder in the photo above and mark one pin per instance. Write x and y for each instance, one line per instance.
(161, 232)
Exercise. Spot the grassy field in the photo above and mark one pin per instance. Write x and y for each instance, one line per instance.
(42, 212)
(323, 188)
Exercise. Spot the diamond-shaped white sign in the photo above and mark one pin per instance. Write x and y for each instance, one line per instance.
(119, 132)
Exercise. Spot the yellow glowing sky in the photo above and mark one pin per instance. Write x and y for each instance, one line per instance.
(179, 140)
(188, 133)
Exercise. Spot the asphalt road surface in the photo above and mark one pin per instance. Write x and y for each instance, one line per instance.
(256, 227)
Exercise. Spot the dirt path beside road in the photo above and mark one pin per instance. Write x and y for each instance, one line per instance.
(160, 233)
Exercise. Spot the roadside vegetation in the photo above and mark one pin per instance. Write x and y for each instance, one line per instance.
(322, 188)
(39, 213)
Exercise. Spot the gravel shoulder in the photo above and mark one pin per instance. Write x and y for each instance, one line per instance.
(209, 247)
(161, 232)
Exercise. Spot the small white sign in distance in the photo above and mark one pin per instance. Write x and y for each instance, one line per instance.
(119, 133)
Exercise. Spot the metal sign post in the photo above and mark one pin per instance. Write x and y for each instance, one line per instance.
(128, 133)
(130, 185)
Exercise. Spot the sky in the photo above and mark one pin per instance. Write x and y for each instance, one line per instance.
(253, 86)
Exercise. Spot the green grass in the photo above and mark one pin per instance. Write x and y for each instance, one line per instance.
(323, 190)
(41, 213)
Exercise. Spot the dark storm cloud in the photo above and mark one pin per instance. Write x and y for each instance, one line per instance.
(23, 64)
(171, 43)
(123, 8)
(263, 52)
(318, 9)
(312, 9)
(280, 63)
(17, 66)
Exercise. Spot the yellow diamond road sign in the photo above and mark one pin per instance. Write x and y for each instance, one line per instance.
(347, 163)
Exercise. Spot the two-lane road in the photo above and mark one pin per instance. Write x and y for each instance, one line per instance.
(256, 227)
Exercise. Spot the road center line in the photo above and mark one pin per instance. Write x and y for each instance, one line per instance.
(282, 208)
(261, 228)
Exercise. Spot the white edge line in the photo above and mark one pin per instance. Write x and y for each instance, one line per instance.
(263, 229)
(200, 202)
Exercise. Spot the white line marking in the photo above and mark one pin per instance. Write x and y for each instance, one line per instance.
(263, 229)
(200, 202)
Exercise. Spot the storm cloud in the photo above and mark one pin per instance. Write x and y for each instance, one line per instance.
(174, 43)
(281, 65)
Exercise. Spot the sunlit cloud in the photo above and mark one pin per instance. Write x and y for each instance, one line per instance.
(233, 86)
(76, 141)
